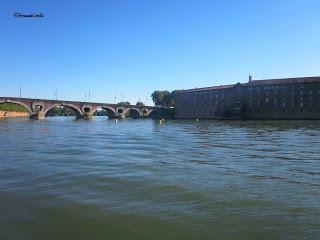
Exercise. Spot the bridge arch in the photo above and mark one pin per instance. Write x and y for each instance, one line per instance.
(18, 103)
(111, 112)
(76, 109)
(153, 113)
(134, 112)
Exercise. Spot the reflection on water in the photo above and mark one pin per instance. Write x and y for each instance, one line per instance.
(136, 179)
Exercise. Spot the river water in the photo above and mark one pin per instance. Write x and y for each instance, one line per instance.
(135, 179)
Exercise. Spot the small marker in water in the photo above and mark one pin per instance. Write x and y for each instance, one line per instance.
(160, 121)
(116, 120)
(197, 120)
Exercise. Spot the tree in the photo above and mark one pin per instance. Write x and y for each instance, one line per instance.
(124, 104)
(161, 98)
(157, 98)
(140, 103)
(12, 107)
(61, 111)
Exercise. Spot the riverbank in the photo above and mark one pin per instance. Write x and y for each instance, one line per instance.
(5, 114)
(166, 113)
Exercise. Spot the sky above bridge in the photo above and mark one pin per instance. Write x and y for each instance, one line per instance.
(124, 50)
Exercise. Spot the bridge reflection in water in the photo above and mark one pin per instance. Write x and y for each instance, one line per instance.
(38, 108)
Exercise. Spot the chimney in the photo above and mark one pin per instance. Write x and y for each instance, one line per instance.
(250, 78)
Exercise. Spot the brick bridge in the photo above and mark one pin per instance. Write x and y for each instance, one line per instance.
(38, 108)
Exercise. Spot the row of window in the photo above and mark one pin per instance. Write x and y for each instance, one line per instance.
(274, 102)
(228, 98)
(267, 89)
(228, 101)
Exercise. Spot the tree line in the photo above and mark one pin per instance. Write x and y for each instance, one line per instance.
(125, 104)
(160, 99)
(163, 98)
(12, 107)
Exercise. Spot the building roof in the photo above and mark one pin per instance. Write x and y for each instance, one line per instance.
(208, 88)
(284, 81)
(257, 83)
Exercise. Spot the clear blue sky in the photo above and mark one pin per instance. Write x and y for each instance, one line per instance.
(134, 47)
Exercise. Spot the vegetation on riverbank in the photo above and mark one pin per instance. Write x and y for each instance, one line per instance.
(160, 112)
(61, 111)
(124, 104)
(164, 102)
(12, 107)
(139, 103)
(163, 98)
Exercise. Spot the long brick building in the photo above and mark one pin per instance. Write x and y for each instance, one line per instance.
(290, 98)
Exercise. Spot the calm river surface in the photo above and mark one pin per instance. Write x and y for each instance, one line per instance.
(136, 179)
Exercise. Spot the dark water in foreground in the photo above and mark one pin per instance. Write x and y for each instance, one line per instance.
(136, 179)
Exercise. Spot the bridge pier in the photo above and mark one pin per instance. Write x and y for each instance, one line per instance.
(38, 115)
(86, 115)
(121, 116)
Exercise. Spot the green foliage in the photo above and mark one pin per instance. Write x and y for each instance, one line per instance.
(123, 104)
(61, 111)
(100, 113)
(12, 107)
(140, 104)
(162, 98)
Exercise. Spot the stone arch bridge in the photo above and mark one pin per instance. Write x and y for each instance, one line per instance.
(38, 108)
